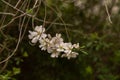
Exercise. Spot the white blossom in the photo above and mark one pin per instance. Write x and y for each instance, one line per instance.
(68, 48)
(35, 39)
(55, 42)
(57, 39)
(70, 55)
(76, 45)
(32, 34)
(37, 34)
(39, 29)
(44, 43)
(55, 54)
(53, 45)
(60, 47)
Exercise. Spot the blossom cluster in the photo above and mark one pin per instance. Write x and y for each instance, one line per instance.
(53, 45)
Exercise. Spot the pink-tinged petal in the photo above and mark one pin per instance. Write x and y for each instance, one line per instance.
(35, 39)
(54, 55)
(32, 34)
(38, 28)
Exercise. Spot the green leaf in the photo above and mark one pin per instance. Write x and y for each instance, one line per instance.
(29, 11)
(25, 54)
(84, 52)
(89, 69)
(16, 70)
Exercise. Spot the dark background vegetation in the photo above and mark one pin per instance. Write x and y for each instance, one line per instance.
(83, 21)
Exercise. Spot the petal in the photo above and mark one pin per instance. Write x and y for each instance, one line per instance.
(38, 28)
(43, 36)
(76, 45)
(32, 34)
(35, 39)
(43, 29)
(53, 55)
(43, 48)
(63, 55)
(49, 50)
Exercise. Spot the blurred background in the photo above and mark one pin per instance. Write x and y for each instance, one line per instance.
(95, 24)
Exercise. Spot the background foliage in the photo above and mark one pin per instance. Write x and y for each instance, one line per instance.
(84, 21)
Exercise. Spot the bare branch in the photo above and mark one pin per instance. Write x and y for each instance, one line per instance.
(11, 14)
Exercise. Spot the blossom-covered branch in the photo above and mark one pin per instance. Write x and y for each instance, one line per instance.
(53, 45)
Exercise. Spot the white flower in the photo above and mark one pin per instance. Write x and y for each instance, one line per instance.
(35, 39)
(68, 47)
(76, 45)
(55, 54)
(44, 43)
(55, 42)
(37, 34)
(57, 39)
(60, 47)
(32, 34)
(43, 36)
(39, 29)
(49, 36)
(53, 45)
(70, 55)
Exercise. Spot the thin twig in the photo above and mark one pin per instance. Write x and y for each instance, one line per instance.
(17, 3)
(32, 15)
(11, 21)
(44, 16)
(10, 14)
(4, 66)
(109, 17)
(35, 3)
(14, 49)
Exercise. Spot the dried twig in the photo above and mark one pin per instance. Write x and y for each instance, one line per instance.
(109, 17)
(11, 14)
